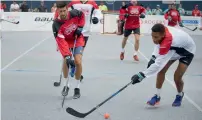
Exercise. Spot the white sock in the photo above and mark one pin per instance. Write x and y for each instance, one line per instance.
(66, 82)
(122, 50)
(77, 83)
(158, 92)
(180, 94)
(135, 53)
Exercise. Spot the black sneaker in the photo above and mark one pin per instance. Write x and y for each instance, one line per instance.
(76, 93)
(65, 91)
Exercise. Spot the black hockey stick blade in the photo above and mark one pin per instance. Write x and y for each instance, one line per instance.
(17, 22)
(56, 84)
(191, 29)
(195, 29)
(75, 113)
(12, 21)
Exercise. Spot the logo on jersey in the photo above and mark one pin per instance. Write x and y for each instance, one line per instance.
(134, 11)
(85, 11)
(173, 13)
(69, 29)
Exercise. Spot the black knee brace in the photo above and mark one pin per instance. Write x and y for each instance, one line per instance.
(69, 61)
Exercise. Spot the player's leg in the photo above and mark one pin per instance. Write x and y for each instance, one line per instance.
(181, 69)
(64, 50)
(125, 38)
(120, 27)
(137, 43)
(159, 83)
(78, 63)
(65, 69)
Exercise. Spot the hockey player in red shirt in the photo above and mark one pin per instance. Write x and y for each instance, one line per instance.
(91, 11)
(70, 37)
(196, 12)
(92, 15)
(132, 24)
(173, 17)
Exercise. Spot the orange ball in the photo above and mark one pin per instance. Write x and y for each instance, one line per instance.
(106, 115)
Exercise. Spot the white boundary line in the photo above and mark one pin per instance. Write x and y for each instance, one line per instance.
(172, 84)
(27, 51)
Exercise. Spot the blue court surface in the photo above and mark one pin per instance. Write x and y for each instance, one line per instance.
(30, 66)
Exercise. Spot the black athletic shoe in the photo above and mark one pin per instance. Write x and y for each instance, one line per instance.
(76, 93)
(65, 91)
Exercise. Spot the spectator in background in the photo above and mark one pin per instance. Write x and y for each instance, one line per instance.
(148, 11)
(196, 12)
(169, 7)
(42, 7)
(103, 7)
(24, 7)
(14, 7)
(2, 6)
(181, 10)
(53, 8)
(157, 11)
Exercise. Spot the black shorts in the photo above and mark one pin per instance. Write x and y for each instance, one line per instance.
(187, 59)
(128, 32)
(86, 40)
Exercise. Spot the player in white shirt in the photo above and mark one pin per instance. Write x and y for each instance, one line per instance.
(171, 44)
(92, 14)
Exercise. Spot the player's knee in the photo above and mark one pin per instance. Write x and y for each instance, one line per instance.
(77, 61)
(125, 39)
(177, 77)
(137, 40)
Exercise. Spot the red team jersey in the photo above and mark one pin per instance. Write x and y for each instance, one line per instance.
(2, 6)
(133, 20)
(175, 15)
(196, 13)
(66, 34)
(89, 8)
(122, 11)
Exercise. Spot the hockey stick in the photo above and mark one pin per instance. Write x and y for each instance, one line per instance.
(82, 115)
(10, 21)
(63, 101)
(190, 28)
(56, 84)
(120, 14)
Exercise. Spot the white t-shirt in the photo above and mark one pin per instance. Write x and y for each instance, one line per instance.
(176, 44)
(14, 8)
(90, 10)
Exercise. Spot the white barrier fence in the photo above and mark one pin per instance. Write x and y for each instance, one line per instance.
(30, 21)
